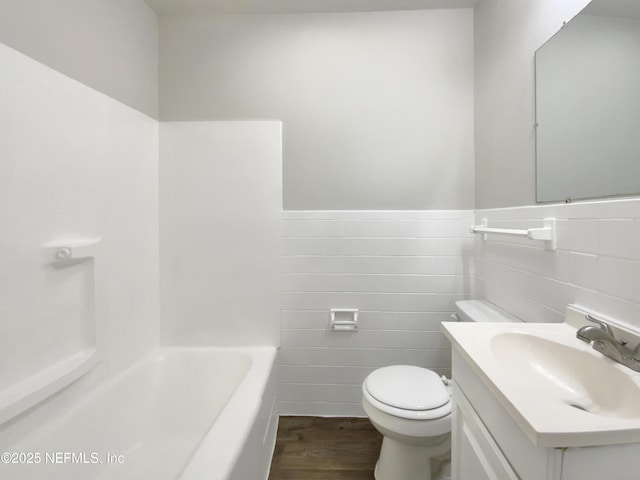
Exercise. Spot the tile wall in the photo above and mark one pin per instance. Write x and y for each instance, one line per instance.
(596, 263)
(403, 270)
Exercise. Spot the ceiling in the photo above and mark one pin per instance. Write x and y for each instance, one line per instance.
(208, 7)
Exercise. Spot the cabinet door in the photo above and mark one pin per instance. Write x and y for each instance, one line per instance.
(475, 455)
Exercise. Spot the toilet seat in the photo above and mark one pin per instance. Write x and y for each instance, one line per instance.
(408, 392)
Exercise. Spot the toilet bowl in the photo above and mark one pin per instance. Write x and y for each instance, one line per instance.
(411, 407)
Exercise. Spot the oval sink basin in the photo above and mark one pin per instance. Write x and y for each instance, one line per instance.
(581, 379)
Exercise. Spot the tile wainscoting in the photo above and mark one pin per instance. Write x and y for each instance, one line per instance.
(596, 263)
(403, 270)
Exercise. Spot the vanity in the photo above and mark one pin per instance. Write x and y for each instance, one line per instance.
(533, 402)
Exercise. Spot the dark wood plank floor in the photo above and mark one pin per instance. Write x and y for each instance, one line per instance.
(314, 448)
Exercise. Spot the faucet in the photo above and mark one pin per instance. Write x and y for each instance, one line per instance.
(605, 343)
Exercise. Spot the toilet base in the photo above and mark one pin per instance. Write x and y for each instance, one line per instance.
(402, 461)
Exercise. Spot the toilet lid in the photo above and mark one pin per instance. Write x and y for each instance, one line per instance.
(407, 387)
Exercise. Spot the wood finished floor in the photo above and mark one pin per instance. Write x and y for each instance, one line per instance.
(314, 448)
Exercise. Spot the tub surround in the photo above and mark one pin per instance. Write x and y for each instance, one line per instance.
(83, 166)
(220, 207)
(77, 165)
(108, 45)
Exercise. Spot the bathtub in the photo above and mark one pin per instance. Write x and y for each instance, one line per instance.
(181, 414)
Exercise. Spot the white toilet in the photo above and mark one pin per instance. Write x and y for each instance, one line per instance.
(411, 407)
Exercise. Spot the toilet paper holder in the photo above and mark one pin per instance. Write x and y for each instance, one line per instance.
(344, 319)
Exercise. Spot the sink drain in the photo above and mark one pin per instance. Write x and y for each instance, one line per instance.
(579, 407)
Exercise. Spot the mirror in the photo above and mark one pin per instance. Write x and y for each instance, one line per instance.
(588, 105)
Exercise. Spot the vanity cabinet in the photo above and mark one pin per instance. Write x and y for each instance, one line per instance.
(477, 456)
(488, 444)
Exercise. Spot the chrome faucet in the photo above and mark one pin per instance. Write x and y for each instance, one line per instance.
(605, 343)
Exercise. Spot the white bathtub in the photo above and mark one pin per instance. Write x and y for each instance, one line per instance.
(185, 413)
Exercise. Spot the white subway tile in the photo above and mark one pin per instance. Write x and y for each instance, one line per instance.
(583, 270)
(325, 392)
(317, 228)
(323, 374)
(370, 246)
(607, 305)
(295, 228)
(577, 235)
(454, 265)
(399, 228)
(321, 409)
(352, 228)
(416, 284)
(616, 238)
(552, 316)
(301, 319)
(398, 247)
(369, 357)
(364, 339)
(408, 264)
(291, 264)
(370, 228)
(428, 265)
(552, 293)
(428, 229)
(404, 270)
(422, 321)
(298, 246)
(335, 228)
(459, 284)
(444, 246)
(616, 277)
(387, 265)
(343, 246)
(452, 229)
(368, 320)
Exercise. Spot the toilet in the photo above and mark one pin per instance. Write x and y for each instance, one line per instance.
(411, 407)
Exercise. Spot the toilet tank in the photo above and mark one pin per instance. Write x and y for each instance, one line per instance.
(481, 311)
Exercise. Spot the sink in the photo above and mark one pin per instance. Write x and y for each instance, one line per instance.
(559, 390)
(575, 377)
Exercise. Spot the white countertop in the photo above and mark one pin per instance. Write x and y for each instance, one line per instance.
(541, 402)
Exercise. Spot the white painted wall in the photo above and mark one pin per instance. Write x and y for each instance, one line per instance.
(403, 270)
(376, 107)
(506, 36)
(220, 206)
(597, 263)
(75, 164)
(109, 45)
